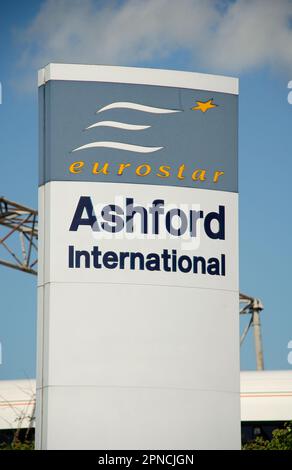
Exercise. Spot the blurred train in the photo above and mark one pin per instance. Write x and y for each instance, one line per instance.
(266, 404)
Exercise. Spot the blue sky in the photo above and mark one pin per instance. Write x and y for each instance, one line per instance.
(35, 32)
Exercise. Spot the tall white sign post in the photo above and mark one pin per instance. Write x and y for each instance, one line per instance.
(138, 340)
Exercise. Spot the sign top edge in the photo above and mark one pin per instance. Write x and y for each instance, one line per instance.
(138, 76)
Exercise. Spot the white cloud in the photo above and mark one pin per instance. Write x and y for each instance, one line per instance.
(253, 33)
(229, 36)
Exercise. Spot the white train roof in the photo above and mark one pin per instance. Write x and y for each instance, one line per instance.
(265, 396)
(17, 403)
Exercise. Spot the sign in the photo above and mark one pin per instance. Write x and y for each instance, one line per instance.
(138, 338)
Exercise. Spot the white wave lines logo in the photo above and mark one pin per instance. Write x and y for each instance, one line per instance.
(125, 126)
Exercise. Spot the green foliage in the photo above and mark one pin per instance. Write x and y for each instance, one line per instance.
(259, 443)
(17, 445)
(281, 440)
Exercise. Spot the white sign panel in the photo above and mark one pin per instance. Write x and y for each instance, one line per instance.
(138, 282)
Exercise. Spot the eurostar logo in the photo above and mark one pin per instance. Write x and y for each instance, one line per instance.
(204, 105)
(126, 126)
(125, 136)
(200, 106)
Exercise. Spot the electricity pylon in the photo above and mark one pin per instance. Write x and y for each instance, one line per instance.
(253, 307)
(18, 236)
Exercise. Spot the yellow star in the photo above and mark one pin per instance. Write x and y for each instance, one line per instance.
(204, 105)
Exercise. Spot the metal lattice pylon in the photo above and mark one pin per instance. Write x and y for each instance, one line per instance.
(18, 236)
